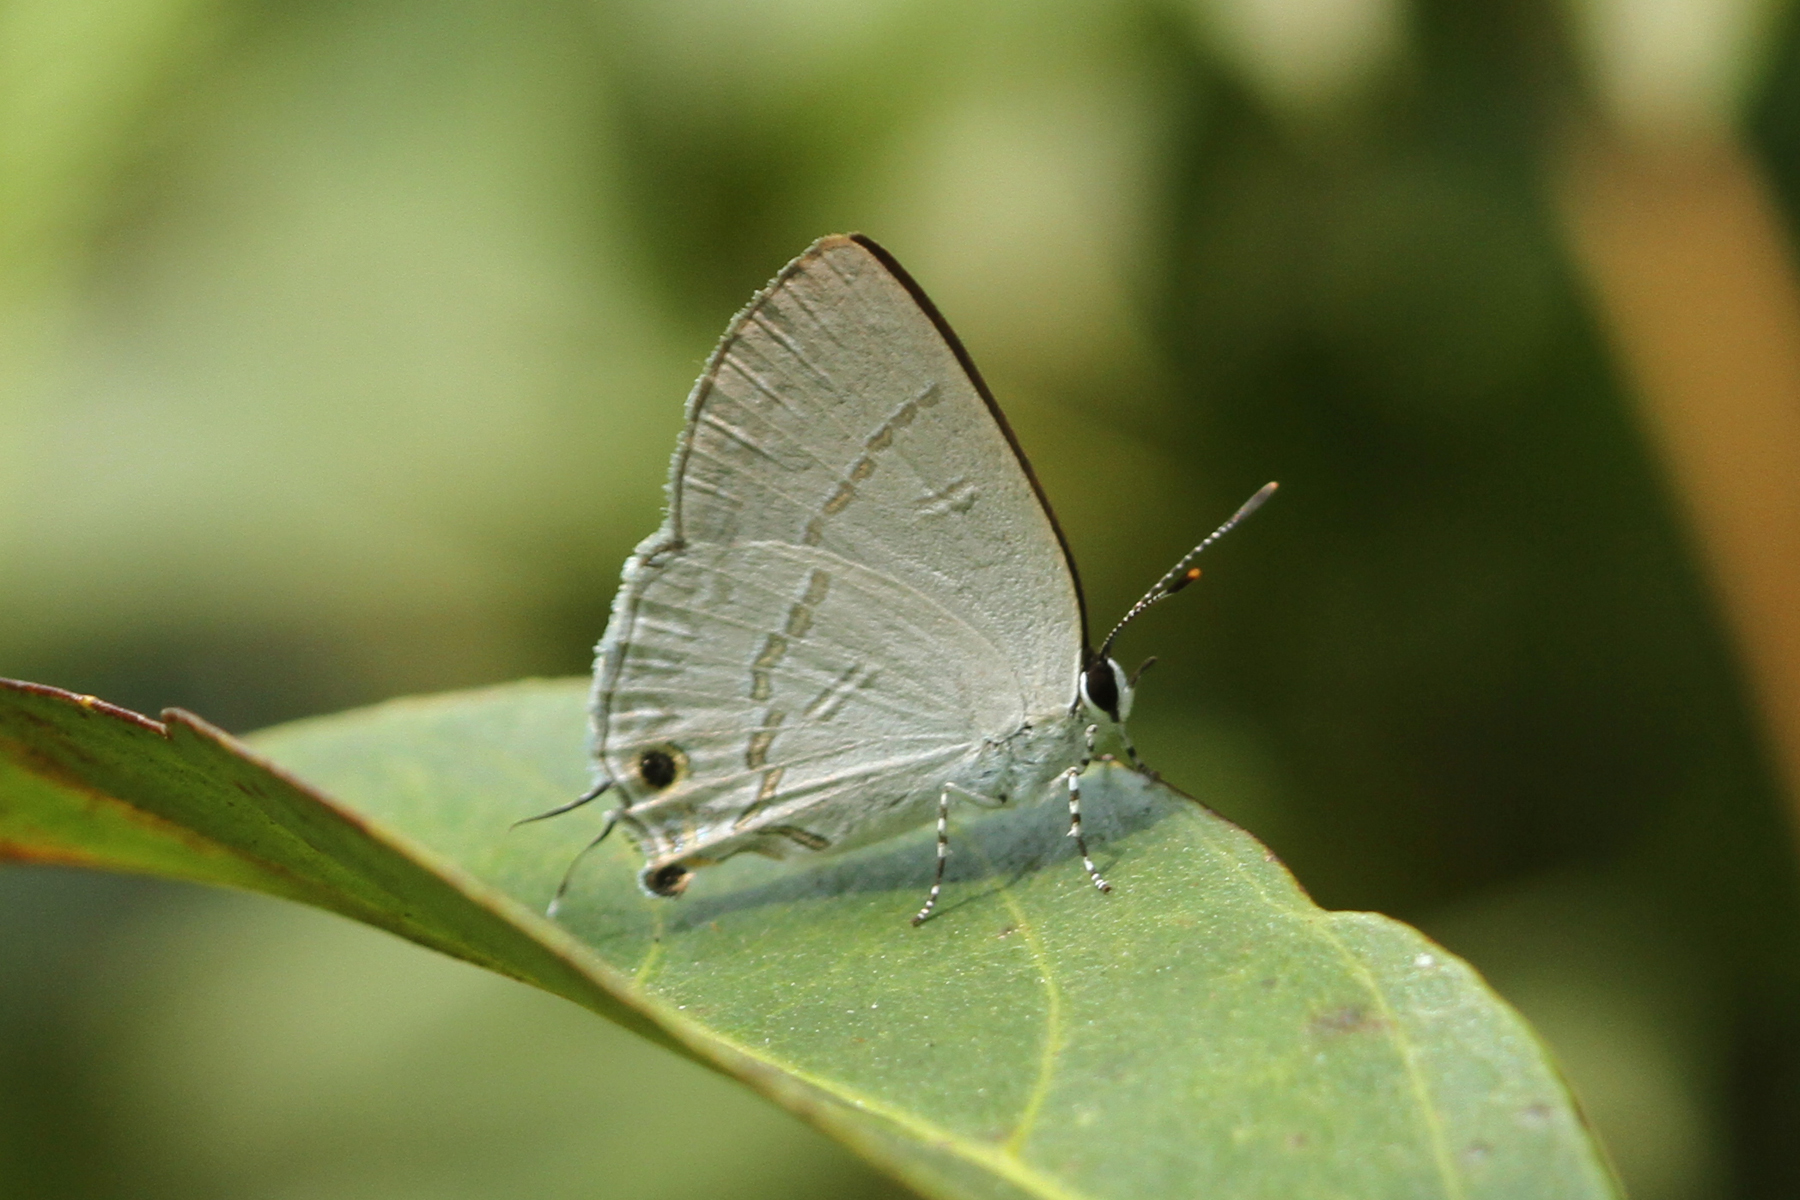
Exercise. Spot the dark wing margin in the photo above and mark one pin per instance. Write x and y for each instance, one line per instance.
(993, 406)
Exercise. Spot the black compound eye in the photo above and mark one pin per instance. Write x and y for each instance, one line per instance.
(659, 766)
(1102, 687)
(667, 880)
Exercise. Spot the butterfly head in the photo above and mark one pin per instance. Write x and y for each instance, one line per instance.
(1105, 689)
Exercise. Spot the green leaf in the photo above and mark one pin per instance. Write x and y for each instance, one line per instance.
(1205, 1030)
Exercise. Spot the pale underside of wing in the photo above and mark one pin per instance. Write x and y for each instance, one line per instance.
(793, 727)
(857, 592)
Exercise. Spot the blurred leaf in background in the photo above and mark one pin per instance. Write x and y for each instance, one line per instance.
(342, 347)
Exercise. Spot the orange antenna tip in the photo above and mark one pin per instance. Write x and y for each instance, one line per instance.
(1183, 572)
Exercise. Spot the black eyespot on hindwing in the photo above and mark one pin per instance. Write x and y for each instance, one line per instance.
(659, 766)
(670, 879)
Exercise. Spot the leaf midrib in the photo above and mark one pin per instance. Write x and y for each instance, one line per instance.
(1006, 1161)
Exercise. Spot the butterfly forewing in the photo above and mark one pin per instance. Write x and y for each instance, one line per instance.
(830, 620)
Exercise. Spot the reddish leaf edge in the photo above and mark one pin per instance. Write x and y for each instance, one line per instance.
(567, 967)
(570, 969)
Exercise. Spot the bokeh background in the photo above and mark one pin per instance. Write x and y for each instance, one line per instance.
(342, 345)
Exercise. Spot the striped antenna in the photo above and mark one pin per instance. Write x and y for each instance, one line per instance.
(1184, 572)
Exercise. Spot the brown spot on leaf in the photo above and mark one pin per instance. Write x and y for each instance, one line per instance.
(1534, 1116)
(1351, 1018)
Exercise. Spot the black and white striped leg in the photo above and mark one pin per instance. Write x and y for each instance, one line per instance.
(943, 852)
(1137, 763)
(943, 839)
(1074, 777)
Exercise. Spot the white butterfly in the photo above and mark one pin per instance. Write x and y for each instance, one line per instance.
(859, 605)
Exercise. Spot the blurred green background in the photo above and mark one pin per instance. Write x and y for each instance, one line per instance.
(342, 346)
